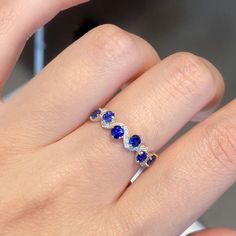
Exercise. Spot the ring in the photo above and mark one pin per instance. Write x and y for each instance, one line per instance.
(132, 143)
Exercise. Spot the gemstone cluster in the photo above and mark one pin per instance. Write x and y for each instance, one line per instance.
(120, 131)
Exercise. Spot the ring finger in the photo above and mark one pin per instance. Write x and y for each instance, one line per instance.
(155, 106)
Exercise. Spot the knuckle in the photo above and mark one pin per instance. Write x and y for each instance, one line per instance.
(111, 42)
(220, 140)
(190, 75)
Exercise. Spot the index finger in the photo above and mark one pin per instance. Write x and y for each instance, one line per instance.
(18, 21)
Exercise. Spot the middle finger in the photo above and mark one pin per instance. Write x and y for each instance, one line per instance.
(59, 99)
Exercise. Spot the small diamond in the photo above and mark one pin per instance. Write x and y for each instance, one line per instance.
(117, 132)
(135, 140)
(108, 116)
(95, 114)
(141, 157)
(142, 148)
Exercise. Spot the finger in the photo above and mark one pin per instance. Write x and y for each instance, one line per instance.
(155, 106)
(190, 175)
(215, 232)
(213, 105)
(19, 19)
(84, 76)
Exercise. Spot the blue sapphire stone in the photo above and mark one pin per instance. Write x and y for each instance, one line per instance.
(117, 132)
(150, 161)
(95, 114)
(108, 116)
(141, 157)
(135, 140)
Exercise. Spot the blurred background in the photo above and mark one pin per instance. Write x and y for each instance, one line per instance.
(206, 28)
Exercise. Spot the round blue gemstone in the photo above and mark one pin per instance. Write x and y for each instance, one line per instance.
(150, 161)
(95, 114)
(135, 140)
(141, 157)
(108, 116)
(117, 132)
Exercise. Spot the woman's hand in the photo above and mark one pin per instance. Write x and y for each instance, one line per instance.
(61, 175)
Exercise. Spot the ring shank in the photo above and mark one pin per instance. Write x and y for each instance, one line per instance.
(137, 174)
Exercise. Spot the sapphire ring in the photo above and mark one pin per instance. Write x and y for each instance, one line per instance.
(132, 143)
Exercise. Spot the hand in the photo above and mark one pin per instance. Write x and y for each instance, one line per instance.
(61, 175)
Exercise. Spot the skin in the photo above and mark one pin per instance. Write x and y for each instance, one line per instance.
(61, 175)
